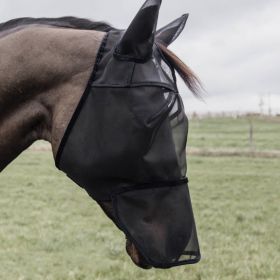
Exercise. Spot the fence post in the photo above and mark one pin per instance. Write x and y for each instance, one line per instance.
(251, 133)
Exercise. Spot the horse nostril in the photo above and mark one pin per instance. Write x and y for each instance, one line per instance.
(136, 256)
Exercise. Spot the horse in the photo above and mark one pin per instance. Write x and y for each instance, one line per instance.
(45, 66)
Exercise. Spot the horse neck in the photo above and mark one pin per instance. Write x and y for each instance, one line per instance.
(43, 72)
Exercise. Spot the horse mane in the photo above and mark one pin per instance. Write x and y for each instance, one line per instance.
(64, 22)
(188, 76)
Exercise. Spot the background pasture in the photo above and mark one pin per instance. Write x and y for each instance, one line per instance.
(50, 229)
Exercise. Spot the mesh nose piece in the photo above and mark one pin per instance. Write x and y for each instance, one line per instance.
(159, 220)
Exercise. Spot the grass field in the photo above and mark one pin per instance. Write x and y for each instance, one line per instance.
(50, 229)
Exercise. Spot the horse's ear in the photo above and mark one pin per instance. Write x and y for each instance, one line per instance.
(137, 42)
(169, 33)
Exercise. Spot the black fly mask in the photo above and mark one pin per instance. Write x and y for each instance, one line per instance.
(126, 141)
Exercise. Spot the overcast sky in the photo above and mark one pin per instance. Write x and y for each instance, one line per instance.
(233, 46)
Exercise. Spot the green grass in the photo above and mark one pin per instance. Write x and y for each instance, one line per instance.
(234, 133)
(50, 229)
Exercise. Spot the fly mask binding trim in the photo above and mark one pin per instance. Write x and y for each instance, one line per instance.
(126, 143)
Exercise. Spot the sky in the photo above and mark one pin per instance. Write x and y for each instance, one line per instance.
(233, 46)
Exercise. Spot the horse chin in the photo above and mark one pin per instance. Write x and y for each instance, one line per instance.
(136, 256)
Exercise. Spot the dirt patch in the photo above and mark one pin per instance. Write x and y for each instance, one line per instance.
(233, 153)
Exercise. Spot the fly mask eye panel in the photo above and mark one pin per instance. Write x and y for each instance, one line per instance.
(126, 142)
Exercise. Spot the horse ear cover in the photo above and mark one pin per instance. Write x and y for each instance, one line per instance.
(138, 40)
(169, 33)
